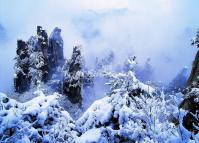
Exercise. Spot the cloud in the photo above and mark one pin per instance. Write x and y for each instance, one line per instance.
(156, 29)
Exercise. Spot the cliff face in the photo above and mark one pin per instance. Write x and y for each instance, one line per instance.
(22, 77)
(191, 97)
(73, 76)
(194, 72)
(41, 59)
(55, 49)
(195, 67)
(37, 59)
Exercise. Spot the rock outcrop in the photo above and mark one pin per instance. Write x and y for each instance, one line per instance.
(194, 72)
(191, 105)
(22, 78)
(73, 76)
(55, 50)
(37, 59)
(191, 100)
(41, 59)
(193, 78)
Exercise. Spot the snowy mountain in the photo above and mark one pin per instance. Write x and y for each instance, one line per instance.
(55, 100)
(131, 114)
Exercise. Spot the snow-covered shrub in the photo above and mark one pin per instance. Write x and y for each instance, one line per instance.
(124, 117)
(127, 119)
(126, 82)
(38, 120)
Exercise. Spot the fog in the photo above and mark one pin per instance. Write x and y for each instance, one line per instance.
(159, 29)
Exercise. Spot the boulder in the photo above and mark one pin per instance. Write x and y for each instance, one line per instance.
(191, 105)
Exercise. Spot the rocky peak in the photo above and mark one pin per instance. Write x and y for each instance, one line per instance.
(36, 57)
(55, 50)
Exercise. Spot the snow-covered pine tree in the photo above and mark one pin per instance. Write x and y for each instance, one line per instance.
(73, 76)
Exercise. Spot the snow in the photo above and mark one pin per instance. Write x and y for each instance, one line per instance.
(116, 117)
(130, 119)
(92, 135)
(95, 115)
(142, 118)
(126, 110)
(34, 120)
(131, 111)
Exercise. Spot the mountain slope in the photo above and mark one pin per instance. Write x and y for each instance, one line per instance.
(131, 111)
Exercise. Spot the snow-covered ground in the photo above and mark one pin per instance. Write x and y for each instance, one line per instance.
(130, 112)
(40, 119)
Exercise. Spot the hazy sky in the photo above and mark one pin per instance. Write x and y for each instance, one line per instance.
(159, 29)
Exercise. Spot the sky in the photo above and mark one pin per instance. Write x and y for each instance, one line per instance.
(156, 29)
